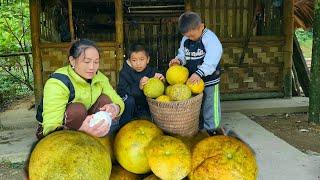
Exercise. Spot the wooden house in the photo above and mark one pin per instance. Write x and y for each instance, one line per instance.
(256, 36)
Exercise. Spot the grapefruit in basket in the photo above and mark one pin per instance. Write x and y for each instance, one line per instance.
(168, 89)
(196, 88)
(69, 155)
(130, 143)
(179, 92)
(164, 98)
(223, 157)
(169, 157)
(154, 88)
(177, 74)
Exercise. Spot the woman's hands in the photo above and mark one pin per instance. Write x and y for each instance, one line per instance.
(99, 130)
(112, 109)
(103, 127)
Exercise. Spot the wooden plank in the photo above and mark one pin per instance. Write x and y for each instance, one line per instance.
(241, 6)
(119, 35)
(222, 19)
(67, 44)
(295, 83)
(212, 15)
(301, 68)
(230, 17)
(288, 47)
(70, 17)
(207, 13)
(217, 17)
(202, 10)
(36, 54)
(245, 17)
(238, 17)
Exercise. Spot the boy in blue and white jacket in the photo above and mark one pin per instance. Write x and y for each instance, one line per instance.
(200, 51)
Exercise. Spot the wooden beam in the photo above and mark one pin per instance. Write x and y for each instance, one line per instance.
(301, 68)
(111, 45)
(288, 30)
(70, 19)
(119, 35)
(15, 54)
(36, 54)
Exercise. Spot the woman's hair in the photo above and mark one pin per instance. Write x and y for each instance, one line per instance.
(188, 21)
(79, 46)
(137, 47)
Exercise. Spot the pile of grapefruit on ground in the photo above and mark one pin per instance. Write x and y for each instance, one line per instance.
(141, 150)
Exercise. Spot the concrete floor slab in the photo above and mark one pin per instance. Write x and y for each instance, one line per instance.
(15, 145)
(267, 106)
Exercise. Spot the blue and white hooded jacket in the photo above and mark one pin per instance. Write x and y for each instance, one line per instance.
(202, 56)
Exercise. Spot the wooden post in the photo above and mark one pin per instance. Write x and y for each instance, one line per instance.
(187, 5)
(288, 30)
(36, 54)
(119, 35)
(314, 98)
(301, 68)
(70, 19)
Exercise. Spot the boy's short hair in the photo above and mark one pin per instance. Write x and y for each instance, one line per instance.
(137, 47)
(188, 21)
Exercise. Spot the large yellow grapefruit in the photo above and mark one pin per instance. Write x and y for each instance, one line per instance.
(154, 88)
(69, 155)
(130, 143)
(223, 157)
(107, 142)
(179, 92)
(163, 98)
(169, 157)
(177, 74)
(196, 88)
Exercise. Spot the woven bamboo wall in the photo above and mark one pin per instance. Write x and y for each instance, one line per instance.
(160, 35)
(228, 18)
(262, 70)
(56, 57)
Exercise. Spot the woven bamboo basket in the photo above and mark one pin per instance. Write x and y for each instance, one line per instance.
(179, 117)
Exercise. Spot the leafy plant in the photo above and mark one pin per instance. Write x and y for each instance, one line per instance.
(16, 77)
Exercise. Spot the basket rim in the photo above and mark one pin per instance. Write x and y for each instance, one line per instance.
(175, 102)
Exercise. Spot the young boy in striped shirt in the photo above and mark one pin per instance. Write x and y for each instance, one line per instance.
(200, 51)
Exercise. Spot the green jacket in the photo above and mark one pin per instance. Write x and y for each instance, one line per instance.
(56, 95)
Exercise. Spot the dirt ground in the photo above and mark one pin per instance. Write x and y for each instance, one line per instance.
(294, 129)
(11, 171)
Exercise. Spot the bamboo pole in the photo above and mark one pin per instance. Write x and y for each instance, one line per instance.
(288, 47)
(70, 19)
(187, 5)
(119, 35)
(36, 54)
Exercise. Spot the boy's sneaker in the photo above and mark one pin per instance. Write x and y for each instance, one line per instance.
(214, 132)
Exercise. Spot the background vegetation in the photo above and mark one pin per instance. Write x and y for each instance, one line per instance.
(16, 77)
(305, 40)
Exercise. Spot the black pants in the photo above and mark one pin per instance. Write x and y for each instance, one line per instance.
(133, 111)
